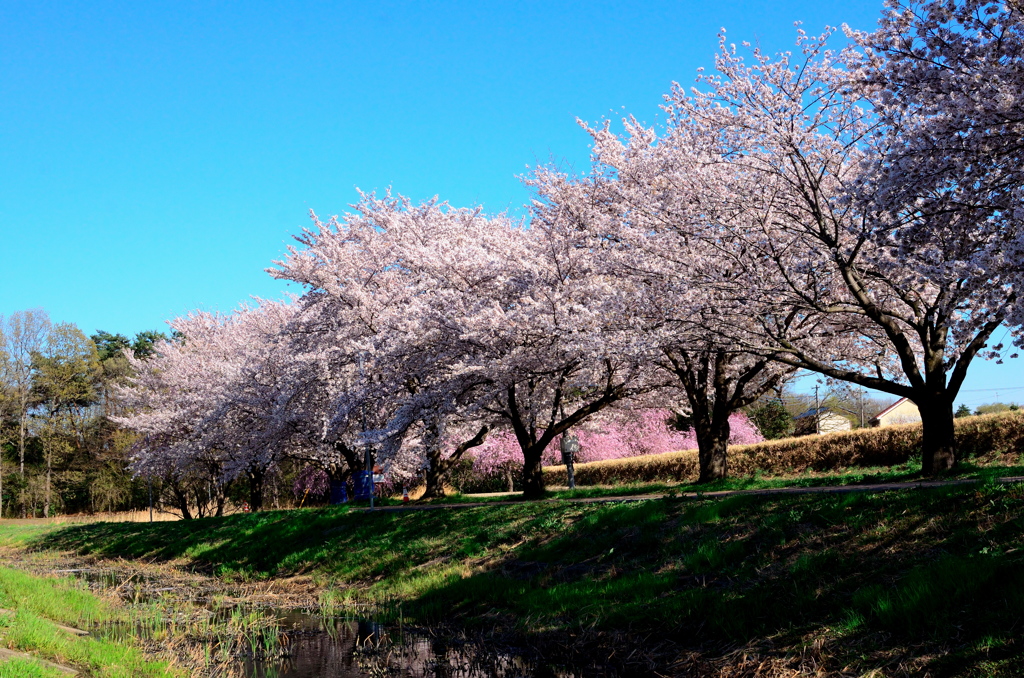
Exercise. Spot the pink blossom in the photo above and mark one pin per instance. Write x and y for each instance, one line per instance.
(628, 434)
(312, 481)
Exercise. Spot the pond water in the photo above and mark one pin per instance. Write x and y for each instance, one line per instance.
(351, 649)
(218, 635)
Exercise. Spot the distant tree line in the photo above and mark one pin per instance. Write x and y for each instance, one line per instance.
(59, 452)
(989, 408)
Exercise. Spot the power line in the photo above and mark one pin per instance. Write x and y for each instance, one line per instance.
(979, 390)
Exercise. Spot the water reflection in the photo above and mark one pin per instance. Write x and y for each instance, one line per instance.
(358, 649)
(219, 636)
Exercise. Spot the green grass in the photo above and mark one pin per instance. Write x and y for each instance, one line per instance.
(936, 574)
(39, 605)
(19, 533)
(27, 668)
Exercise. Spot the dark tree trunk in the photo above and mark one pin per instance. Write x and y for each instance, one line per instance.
(533, 477)
(355, 461)
(525, 428)
(714, 393)
(181, 498)
(200, 503)
(338, 473)
(437, 466)
(437, 471)
(256, 490)
(712, 449)
(938, 444)
(221, 493)
(46, 506)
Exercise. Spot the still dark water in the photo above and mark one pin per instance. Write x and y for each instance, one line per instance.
(219, 636)
(346, 648)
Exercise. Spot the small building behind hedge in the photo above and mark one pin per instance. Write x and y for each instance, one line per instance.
(820, 420)
(902, 411)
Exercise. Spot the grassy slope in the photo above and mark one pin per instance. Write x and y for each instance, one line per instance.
(935, 575)
(39, 604)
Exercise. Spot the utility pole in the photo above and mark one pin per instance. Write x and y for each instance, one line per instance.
(369, 461)
(817, 412)
(369, 476)
(569, 447)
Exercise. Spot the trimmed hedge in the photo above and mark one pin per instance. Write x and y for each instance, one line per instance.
(887, 446)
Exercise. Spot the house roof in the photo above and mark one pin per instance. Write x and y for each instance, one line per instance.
(889, 409)
(811, 412)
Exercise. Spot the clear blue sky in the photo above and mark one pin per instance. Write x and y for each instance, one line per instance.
(155, 157)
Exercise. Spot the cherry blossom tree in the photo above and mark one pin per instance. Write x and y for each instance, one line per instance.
(331, 403)
(764, 172)
(373, 300)
(222, 398)
(165, 402)
(563, 352)
(472, 319)
(649, 253)
(946, 80)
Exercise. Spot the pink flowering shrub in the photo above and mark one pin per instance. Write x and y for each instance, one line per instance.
(645, 432)
(615, 438)
(499, 452)
(312, 480)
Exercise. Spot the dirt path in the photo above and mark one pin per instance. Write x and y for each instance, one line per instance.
(720, 494)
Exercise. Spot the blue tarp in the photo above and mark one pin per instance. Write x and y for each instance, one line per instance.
(339, 493)
(361, 480)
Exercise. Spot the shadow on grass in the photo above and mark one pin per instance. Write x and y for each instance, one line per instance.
(927, 568)
(874, 575)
